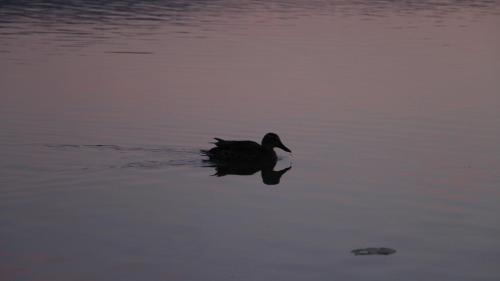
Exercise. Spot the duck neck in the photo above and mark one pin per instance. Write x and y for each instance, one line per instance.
(267, 147)
(269, 152)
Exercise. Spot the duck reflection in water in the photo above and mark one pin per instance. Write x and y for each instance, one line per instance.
(247, 158)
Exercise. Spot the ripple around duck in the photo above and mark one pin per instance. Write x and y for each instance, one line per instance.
(155, 164)
(70, 166)
(113, 147)
(144, 155)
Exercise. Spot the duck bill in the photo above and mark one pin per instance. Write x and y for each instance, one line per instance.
(282, 146)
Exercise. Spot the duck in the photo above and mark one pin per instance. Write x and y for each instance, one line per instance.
(245, 150)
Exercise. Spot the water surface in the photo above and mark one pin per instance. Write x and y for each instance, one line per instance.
(390, 109)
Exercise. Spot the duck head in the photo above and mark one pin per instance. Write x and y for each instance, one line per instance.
(272, 140)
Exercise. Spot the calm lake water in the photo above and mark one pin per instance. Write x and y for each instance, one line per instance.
(391, 109)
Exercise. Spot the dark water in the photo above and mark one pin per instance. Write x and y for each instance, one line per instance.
(391, 109)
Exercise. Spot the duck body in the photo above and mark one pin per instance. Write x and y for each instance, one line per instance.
(246, 151)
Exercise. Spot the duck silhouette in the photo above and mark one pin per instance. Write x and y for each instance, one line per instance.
(230, 157)
(231, 150)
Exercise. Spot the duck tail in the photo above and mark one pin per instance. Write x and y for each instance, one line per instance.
(218, 141)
